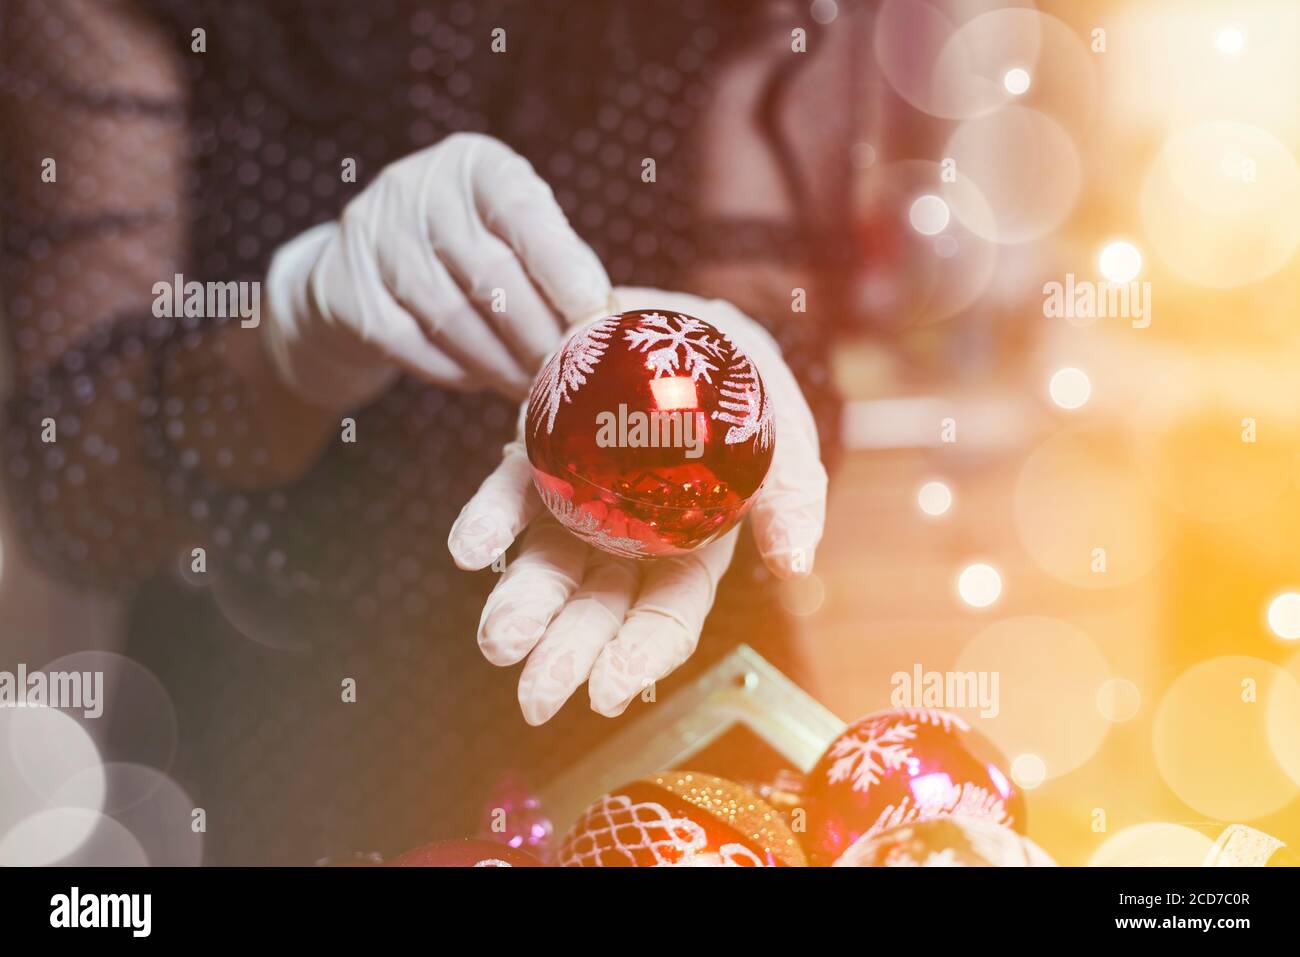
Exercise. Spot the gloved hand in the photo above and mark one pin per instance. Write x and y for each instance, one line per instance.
(580, 614)
(455, 264)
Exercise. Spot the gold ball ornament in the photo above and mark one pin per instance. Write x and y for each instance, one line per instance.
(945, 842)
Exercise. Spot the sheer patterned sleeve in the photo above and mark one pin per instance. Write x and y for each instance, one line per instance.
(92, 179)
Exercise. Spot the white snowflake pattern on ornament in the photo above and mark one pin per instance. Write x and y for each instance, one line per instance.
(585, 525)
(867, 753)
(660, 338)
(964, 800)
(946, 720)
(567, 371)
(744, 405)
(881, 745)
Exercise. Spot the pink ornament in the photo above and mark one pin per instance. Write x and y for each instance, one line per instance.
(901, 766)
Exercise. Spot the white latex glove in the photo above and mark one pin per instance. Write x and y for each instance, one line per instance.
(409, 276)
(580, 614)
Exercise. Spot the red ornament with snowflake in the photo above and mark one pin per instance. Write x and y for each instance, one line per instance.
(681, 819)
(649, 433)
(900, 766)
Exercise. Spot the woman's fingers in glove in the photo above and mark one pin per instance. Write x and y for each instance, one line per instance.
(518, 205)
(456, 264)
(503, 505)
(323, 366)
(662, 628)
(511, 305)
(563, 658)
(790, 513)
(489, 274)
(511, 253)
(454, 324)
(531, 592)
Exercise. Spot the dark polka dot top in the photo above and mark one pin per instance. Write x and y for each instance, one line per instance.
(143, 140)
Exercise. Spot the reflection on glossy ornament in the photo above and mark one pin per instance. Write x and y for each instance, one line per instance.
(899, 766)
(513, 815)
(465, 852)
(946, 842)
(649, 433)
(681, 819)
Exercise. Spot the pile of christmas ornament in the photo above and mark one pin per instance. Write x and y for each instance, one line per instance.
(899, 788)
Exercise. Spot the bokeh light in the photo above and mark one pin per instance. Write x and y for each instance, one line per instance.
(1028, 771)
(979, 585)
(1171, 72)
(1153, 845)
(1048, 673)
(1026, 168)
(824, 11)
(1118, 700)
(70, 837)
(1230, 41)
(139, 722)
(149, 804)
(41, 749)
(1211, 737)
(967, 59)
(934, 498)
(915, 52)
(1070, 388)
(1284, 617)
(1081, 516)
(1016, 81)
(1221, 204)
(1120, 261)
(1021, 48)
(928, 215)
(802, 596)
(862, 155)
(1284, 718)
(928, 278)
(259, 614)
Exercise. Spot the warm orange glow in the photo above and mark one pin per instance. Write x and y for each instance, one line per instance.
(1128, 476)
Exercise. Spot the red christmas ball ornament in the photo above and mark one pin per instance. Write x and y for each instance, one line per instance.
(465, 852)
(681, 819)
(901, 766)
(946, 842)
(649, 433)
